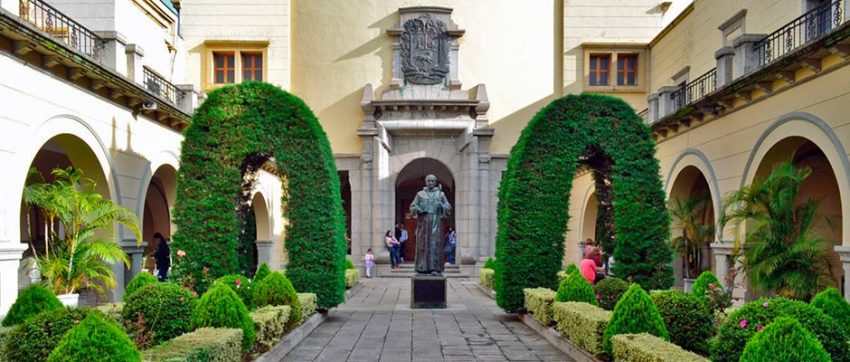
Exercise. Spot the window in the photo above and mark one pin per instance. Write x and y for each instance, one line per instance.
(627, 69)
(224, 67)
(252, 66)
(599, 68)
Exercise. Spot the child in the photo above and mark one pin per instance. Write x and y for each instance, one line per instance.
(370, 262)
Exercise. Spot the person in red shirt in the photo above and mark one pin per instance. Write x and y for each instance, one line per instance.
(587, 268)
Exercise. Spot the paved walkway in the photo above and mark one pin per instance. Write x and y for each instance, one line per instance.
(377, 324)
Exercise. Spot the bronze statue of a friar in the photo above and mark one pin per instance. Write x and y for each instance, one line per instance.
(430, 206)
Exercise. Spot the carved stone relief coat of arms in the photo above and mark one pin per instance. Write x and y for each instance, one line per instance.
(424, 51)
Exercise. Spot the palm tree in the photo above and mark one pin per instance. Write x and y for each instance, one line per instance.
(782, 253)
(82, 258)
(688, 216)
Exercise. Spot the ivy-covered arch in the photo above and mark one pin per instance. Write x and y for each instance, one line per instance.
(605, 135)
(232, 135)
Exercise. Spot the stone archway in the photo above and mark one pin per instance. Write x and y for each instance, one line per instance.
(605, 135)
(410, 180)
(156, 217)
(690, 183)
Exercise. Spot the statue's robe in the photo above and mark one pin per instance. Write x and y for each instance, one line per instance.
(430, 207)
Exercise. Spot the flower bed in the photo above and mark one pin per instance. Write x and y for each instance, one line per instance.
(582, 323)
(648, 348)
(204, 344)
(269, 325)
(486, 278)
(538, 302)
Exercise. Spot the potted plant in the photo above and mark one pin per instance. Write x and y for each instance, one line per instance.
(688, 216)
(81, 255)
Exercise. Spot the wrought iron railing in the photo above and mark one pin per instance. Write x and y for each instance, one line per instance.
(695, 90)
(804, 29)
(60, 26)
(159, 86)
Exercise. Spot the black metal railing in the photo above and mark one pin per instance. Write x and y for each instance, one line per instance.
(695, 90)
(60, 26)
(804, 29)
(159, 86)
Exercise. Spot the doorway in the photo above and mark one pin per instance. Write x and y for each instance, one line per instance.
(411, 180)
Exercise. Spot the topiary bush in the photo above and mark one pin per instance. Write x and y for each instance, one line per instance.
(352, 277)
(608, 136)
(269, 325)
(261, 273)
(687, 318)
(831, 302)
(308, 306)
(94, 340)
(201, 345)
(221, 307)
(157, 313)
(490, 263)
(574, 289)
(349, 264)
(570, 269)
(703, 282)
(634, 313)
(609, 291)
(31, 301)
(743, 323)
(234, 132)
(35, 338)
(486, 277)
(645, 348)
(140, 280)
(582, 323)
(538, 302)
(241, 285)
(276, 289)
(784, 339)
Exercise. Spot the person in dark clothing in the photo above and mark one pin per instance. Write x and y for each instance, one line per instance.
(162, 256)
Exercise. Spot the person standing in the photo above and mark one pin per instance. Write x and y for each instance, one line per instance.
(402, 241)
(370, 262)
(451, 246)
(392, 243)
(162, 256)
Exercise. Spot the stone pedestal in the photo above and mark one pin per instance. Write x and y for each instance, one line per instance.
(427, 292)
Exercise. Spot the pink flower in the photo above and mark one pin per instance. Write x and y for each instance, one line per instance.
(765, 304)
(743, 323)
(759, 328)
(598, 297)
(181, 253)
(238, 283)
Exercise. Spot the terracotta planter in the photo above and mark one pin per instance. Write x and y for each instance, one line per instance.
(69, 300)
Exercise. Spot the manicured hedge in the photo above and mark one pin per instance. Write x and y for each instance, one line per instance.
(532, 215)
(95, 339)
(784, 339)
(538, 302)
(269, 325)
(634, 313)
(352, 277)
(609, 291)
(687, 318)
(4, 335)
(31, 301)
(140, 280)
(743, 323)
(240, 284)
(703, 282)
(156, 313)
(275, 289)
(205, 344)
(576, 289)
(112, 311)
(583, 324)
(34, 339)
(237, 129)
(648, 348)
(485, 277)
(831, 302)
(261, 273)
(308, 306)
(220, 307)
(490, 263)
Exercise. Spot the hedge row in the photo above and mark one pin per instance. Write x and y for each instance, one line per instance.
(204, 344)
(538, 302)
(486, 278)
(112, 311)
(648, 348)
(308, 306)
(269, 325)
(583, 324)
(352, 277)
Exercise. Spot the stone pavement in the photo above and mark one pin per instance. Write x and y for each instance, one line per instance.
(377, 324)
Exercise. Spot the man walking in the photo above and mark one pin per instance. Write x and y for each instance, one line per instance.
(402, 240)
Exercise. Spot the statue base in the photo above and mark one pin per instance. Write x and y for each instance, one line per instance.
(428, 292)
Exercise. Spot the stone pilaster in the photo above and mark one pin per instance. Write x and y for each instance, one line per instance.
(725, 57)
(10, 259)
(114, 53)
(746, 57)
(724, 257)
(665, 100)
(844, 255)
(134, 54)
(264, 252)
(652, 109)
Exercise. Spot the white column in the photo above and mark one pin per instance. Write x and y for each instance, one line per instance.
(134, 55)
(746, 59)
(264, 252)
(844, 255)
(725, 58)
(114, 53)
(10, 259)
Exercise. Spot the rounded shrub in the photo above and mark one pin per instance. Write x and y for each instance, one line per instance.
(276, 289)
(261, 273)
(576, 289)
(35, 338)
(831, 302)
(95, 339)
(687, 318)
(349, 264)
(157, 313)
(743, 323)
(704, 280)
(220, 307)
(571, 269)
(609, 291)
(140, 280)
(241, 285)
(490, 263)
(606, 134)
(31, 301)
(784, 339)
(635, 313)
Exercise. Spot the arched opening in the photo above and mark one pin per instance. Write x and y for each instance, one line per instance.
(159, 199)
(410, 180)
(60, 152)
(589, 219)
(821, 185)
(690, 193)
(261, 233)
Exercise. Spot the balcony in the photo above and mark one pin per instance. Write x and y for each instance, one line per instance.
(694, 90)
(161, 87)
(800, 31)
(62, 28)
